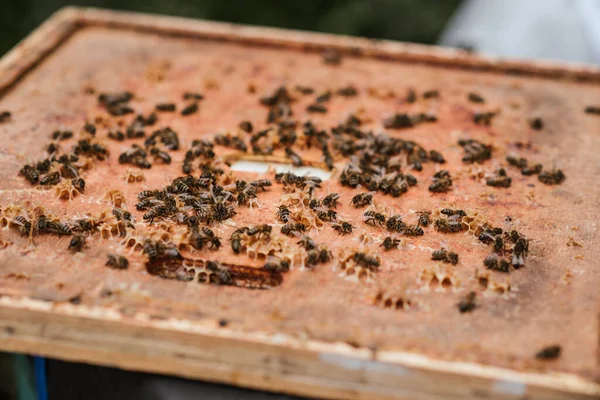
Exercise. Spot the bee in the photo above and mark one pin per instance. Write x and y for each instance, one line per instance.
(277, 265)
(516, 162)
(362, 199)
(59, 228)
(161, 155)
(373, 217)
(289, 228)
(440, 185)
(395, 224)
(553, 177)
(263, 230)
(390, 243)
(116, 135)
(122, 215)
(536, 123)
(494, 263)
(246, 126)
(44, 166)
(410, 179)
(261, 184)
(236, 242)
(316, 108)
(283, 213)
(296, 160)
(312, 258)
(424, 218)
(532, 170)
(30, 173)
(167, 107)
(342, 227)
(475, 151)
(450, 212)
(50, 179)
(305, 90)
(475, 98)
(348, 91)
(436, 157)
(307, 242)
(144, 194)
(190, 109)
(499, 244)
(25, 224)
(155, 212)
(5, 116)
(398, 121)
(413, 230)
(520, 250)
(430, 94)
(77, 243)
(331, 200)
(366, 260)
(445, 256)
(89, 128)
(448, 225)
(325, 214)
(550, 352)
(61, 135)
(499, 181)
(192, 96)
(467, 304)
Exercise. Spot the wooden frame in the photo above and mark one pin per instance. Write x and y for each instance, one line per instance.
(277, 363)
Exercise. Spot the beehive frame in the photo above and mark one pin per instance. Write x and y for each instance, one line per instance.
(196, 349)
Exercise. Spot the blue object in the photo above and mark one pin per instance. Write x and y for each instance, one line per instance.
(39, 367)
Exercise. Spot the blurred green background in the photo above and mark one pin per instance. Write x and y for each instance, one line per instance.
(407, 20)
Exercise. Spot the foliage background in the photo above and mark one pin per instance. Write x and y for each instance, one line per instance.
(407, 20)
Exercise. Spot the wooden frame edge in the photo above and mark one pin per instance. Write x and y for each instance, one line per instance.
(25, 328)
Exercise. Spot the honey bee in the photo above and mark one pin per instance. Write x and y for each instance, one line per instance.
(474, 150)
(192, 96)
(395, 224)
(50, 179)
(424, 218)
(410, 179)
(390, 243)
(553, 177)
(532, 170)
(362, 199)
(246, 126)
(516, 162)
(283, 213)
(296, 160)
(307, 242)
(550, 352)
(261, 184)
(475, 98)
(276, 264)
(166, 107)
(316, 108)
(501, 180)
(263, 230)
(77, 243)
(520, 250)
(117, 262)
(373, 217)
(448, 225)
(331, 200)
(122, 215)
(342, 227)
(30, 173)
(442, 182)
(366, 260)
(450, 212)
(494, 263)
(24, 223)
(445, 256)
(68, 170)
(413, 230)
(160, 155)
(436, 157)
(79, 184)
(467, 304)
(190, 109)
(289, 228)
(325, 214)
(236, 242)
(223, 275)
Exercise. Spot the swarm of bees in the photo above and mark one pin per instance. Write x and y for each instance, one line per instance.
(208, 194)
